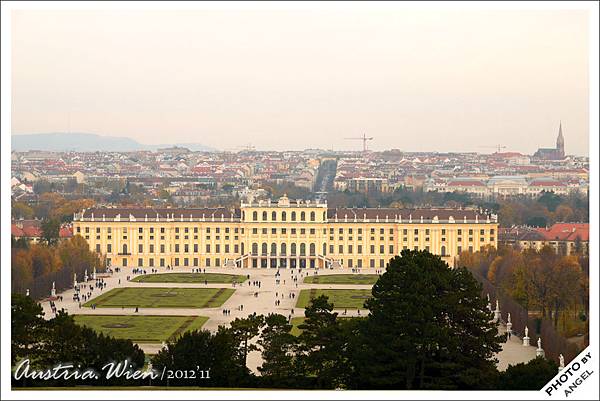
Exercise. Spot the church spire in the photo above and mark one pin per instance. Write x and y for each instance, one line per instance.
(560, 141)
(560, 129)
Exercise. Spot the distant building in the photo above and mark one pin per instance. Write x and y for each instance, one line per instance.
(538, 186)
(501, 186)
(367, 184)
(564, 238)
(473, 186)
(413, 181)
(31, 230)
(557, 153)
(174, 150)
(513, 158)
(79, 177)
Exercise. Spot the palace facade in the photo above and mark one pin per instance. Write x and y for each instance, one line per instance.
(286, 234)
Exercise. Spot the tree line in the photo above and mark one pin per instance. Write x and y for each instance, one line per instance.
(428, 328)
(541, 211)
(539, 281)
(37, 266)
(50, 206)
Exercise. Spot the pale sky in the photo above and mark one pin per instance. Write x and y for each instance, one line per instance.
(416, 80)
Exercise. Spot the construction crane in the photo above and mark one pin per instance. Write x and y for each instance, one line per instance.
(497, 147)
(364, 139)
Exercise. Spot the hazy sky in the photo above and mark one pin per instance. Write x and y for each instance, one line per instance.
(295, 79)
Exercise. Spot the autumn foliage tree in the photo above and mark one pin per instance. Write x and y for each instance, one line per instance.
(35, 267)
(20, 210)
(540, 280)
(76, 256)
(52, 205)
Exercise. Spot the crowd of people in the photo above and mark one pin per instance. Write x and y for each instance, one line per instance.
(83, 292)
(53, 307)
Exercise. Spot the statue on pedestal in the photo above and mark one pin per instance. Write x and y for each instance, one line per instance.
(539, 351)
(27, 292)
(497, 312)
(53, 292)
(526, 338)
(509, 324)
(561, 362)
(85, 276)
(75, 280)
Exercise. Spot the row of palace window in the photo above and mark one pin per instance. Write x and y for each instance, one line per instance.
(176, 262)
(178, 249)
(284, 231)
(217, 230)
(151, 230)
(282, 263)
(283, 216)
(264, 262)
(273, 249)
(194, 262)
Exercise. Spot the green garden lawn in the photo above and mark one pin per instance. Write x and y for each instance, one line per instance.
(152, 297)
(190, 278)
(368, 279)
(295, 322)
(141, 328)
(352, 299)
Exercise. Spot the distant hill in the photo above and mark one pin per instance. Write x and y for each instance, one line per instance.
(82, 142)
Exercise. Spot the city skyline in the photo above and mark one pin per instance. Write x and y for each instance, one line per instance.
(249, 146)
(228, 78)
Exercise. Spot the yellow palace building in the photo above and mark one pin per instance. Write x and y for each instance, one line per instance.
(283, 234)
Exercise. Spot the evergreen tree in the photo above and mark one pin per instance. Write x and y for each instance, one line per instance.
(277, 345)
(321, 345)
(245, 329)
(26, 328)
(50, 231)
(428, 329)
(218, 353)
(229, 367)
(550, 200)
(532, 375)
